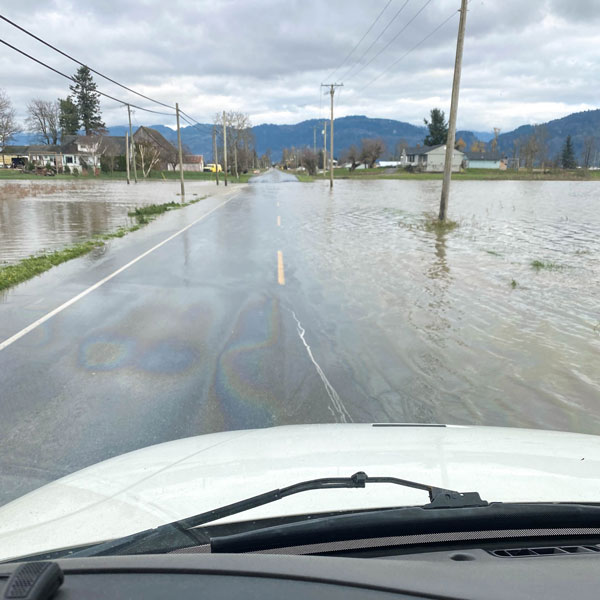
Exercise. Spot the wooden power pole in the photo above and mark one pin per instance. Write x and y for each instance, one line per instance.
(215, 154)
(453, 111)
(127, 155)
(180, 154)
(132, 142)
(224, 149)
(324, 147)
(331, 87)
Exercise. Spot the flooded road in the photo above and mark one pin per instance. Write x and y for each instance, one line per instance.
(36, 216)
(288, 303)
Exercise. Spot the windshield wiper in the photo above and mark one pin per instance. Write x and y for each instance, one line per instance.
(438, 498)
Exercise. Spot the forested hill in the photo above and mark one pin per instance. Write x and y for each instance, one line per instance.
(579, 126)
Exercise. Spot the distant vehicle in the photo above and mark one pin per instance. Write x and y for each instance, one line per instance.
(212, 168)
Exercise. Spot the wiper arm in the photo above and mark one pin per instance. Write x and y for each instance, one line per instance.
(438, 498)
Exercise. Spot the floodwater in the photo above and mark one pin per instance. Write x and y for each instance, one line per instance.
(58, 213)
(458, 327)
(408, 325)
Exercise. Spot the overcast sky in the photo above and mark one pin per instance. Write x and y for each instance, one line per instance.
(525, 61)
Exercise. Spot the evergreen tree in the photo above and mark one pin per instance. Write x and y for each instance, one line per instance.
(87, 100)
(68, 118)
(568, 155)
(438, 128)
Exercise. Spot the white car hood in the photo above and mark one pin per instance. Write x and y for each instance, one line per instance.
(166, 482)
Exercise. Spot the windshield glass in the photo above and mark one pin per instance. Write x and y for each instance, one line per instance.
(375, 226)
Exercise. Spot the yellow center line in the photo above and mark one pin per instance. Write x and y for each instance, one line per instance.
(278, 221)
(280, 273)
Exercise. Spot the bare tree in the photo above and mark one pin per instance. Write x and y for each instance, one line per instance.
(43, 120)
(530, 150)
(352, 155)
(8, 122)
(494, 142)
(540, 133)
(401, 147)
(148, 156)
(371, 149)
(309, 160)
(588, 148)
(478, 146)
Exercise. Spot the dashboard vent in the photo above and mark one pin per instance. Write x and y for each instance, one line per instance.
(545, 551)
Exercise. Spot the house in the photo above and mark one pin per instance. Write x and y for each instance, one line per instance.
(430, 158)
(191, 162)
(388, 163)
(165, 153)
(486, 160)
(86, 151)
(13, 157)
(43, 154)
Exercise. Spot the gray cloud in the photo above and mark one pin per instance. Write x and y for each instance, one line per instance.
(524, 61)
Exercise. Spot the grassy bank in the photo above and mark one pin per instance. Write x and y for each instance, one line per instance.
(467, 174)
(27, 268)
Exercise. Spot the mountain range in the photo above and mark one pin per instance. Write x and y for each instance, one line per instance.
(351, 130)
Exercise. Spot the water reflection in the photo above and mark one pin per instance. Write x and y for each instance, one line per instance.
(49, 215)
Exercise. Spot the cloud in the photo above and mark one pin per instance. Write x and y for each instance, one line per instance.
(523, 61)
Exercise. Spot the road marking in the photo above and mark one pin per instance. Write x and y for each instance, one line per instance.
(280, 273)
(278, 221)
(17, 336)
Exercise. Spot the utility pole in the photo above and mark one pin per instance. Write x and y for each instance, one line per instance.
(215, 155)
(331, 87)
(180, 154)
(324, 147)
(315, 140)
(127, 155)
(224, 149)
(132, 154)
(453, 111)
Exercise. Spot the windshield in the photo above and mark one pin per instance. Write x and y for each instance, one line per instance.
(375, 225)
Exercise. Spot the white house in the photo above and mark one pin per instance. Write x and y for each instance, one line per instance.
(430, 158)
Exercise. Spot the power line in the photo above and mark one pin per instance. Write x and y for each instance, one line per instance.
(330, 76)
(409, 51)
(347, 73)
(83, 64)
(394, 38)
(74, 81)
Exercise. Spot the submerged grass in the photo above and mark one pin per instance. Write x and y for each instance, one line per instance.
(547, 265)
(433, 224)
(27, 268)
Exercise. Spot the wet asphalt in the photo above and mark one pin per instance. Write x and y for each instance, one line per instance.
(200, 335)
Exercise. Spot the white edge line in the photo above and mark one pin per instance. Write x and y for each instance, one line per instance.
(17, 336)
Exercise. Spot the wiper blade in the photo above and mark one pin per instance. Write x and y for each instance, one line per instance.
(438, 498)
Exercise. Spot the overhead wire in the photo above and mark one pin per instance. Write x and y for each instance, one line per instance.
(329, 77)
(125, 103)
(349, 71)
(409, 51)
(39, 39)
(394, 38)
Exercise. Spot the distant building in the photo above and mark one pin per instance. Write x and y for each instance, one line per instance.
(191, 162)
(389, 163)
(167, 153)
(13, 157)
(486, 160)
(430, 158)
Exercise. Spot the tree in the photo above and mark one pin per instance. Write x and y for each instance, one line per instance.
(568, 155)
(494, 142)
(147, 156)
(68, 118)
(371, 149)
(87, 100)
(438, 128)
(401, 146)
(43, 120)
(8, 121)
(352, 155)
(309, 161)
(540, 132)
(460, 144)
(588, 148)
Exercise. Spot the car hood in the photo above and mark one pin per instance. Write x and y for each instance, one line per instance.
(174, 480)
